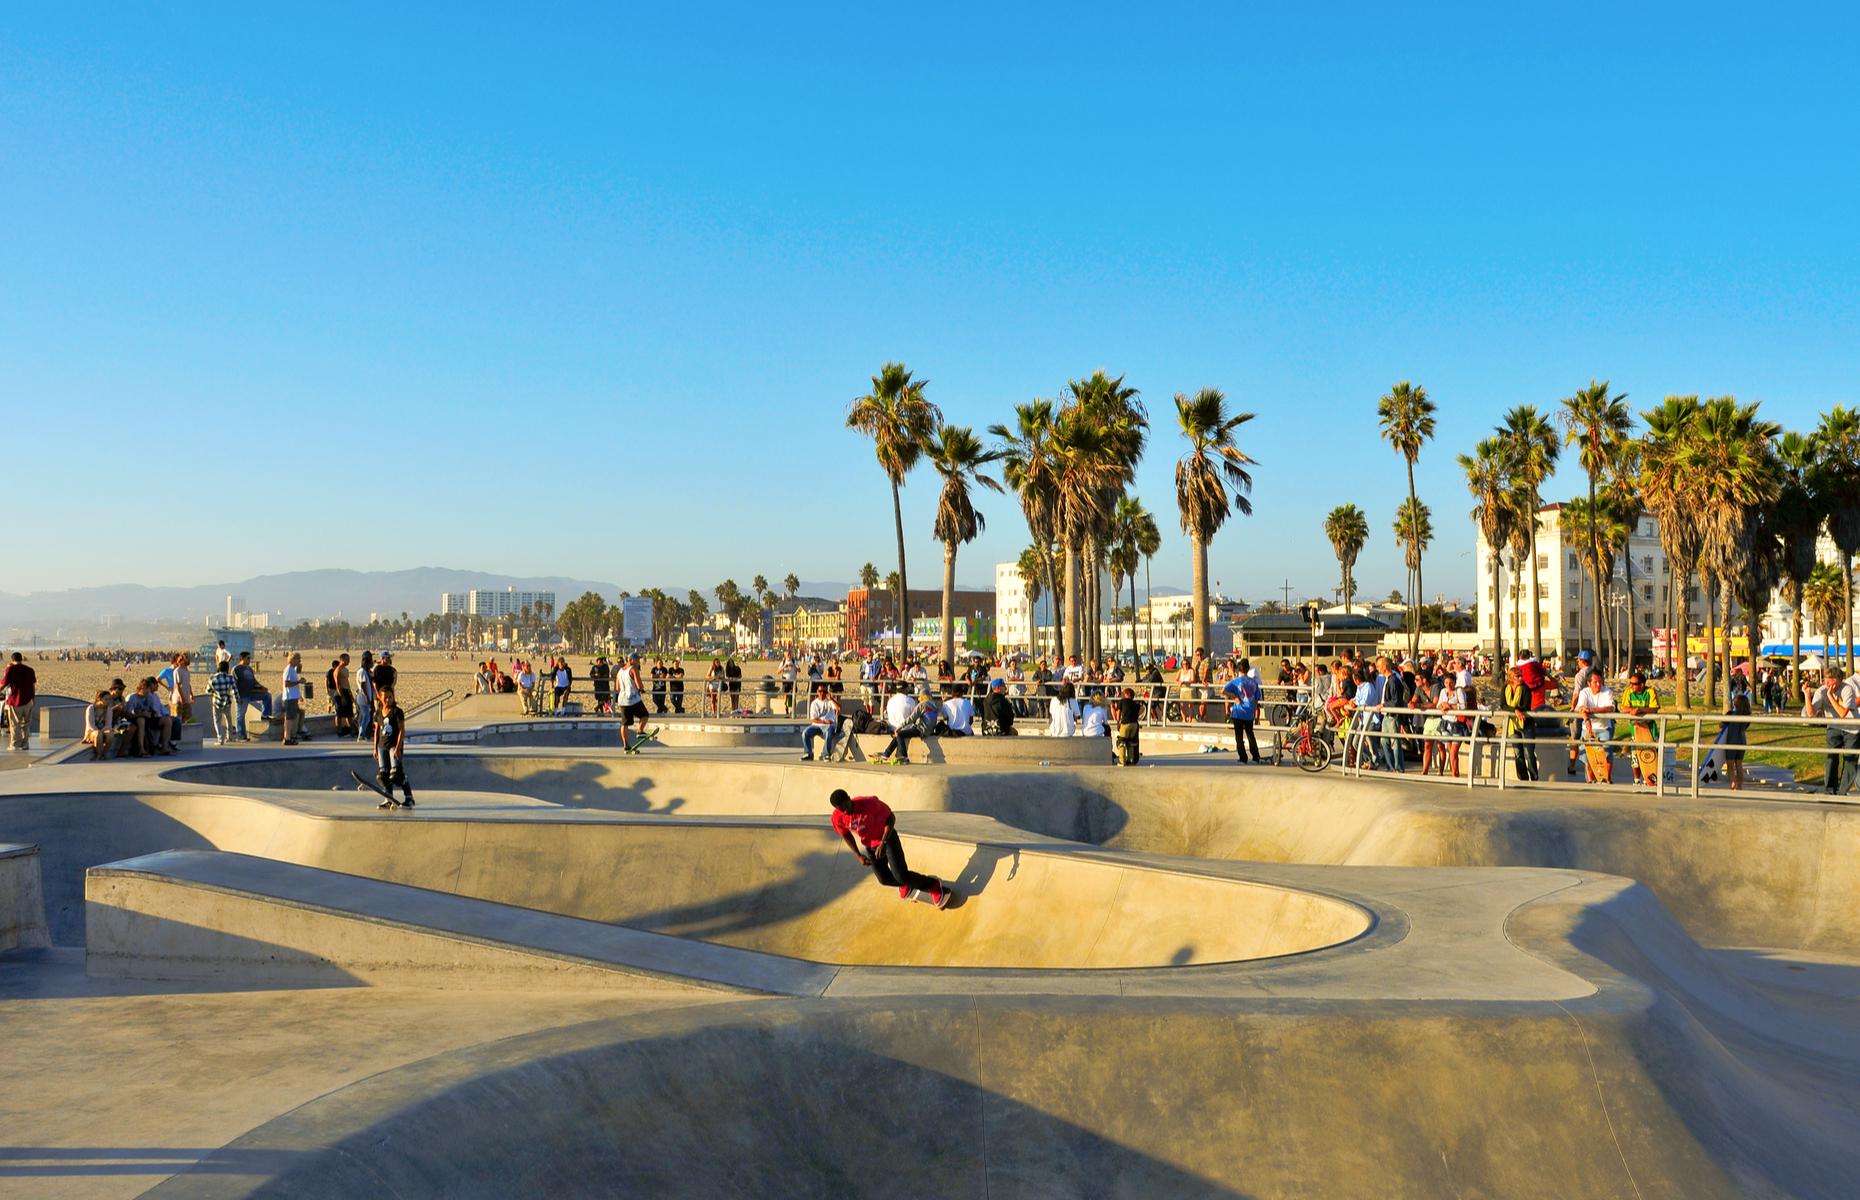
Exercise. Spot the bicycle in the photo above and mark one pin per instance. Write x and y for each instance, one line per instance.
(1311, 741)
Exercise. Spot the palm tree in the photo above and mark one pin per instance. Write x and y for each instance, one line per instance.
(1132, 529)
(895, 415)
(1200, 493)
(791, 585)
(1825, 596)
(1036, 567)
(897, 609)
(1531, 447)
(868, 579)
(1799, 515)
(1838, 439)
(1348, 531)
(1492, 513)
(1599, 426)
(1664, 488)
(1098, 439)
(1030, 465)
(958, 457)
(1605, 535)
(1623, 498)
(1414, 530)
(1731, 475)
(1407, 419)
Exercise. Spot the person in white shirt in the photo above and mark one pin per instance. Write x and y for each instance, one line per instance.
(899, 707)
(1095, 722)
(823, 721)
(294, 699)
(1594, 704)
(959, 713)
(1062, 713)
(1837, 697)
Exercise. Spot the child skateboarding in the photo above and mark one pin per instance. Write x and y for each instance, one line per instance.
(867, 827)
(390, 750)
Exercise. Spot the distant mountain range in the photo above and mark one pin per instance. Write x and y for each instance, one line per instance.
(325, 593)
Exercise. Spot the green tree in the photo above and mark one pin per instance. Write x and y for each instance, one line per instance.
(1348, 531)
(1599, 426)
(1531, 449)
(899, 420)
(1838, 441)
(791, 585)
(1030, 465)
(1664, 489)
(1406, 416)
(1414, 531)
(1799, 514)
(958, 456)
(1202, 476)
(1495, 514)
(1134, 536)
(1825, 596)
(1098, 440)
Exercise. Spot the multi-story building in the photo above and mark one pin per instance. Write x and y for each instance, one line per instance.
(483, 602)
(1777, 625)
(1634, 598)
(1024, 625)
(810, 623)
(872, 616)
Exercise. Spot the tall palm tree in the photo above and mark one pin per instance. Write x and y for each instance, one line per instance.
(1414, 530)
(1732, 474)
(1200, 492)
(1598, 426)
(1531, 447)
(1407, 419)
(1799, 515)
(1133, 536)
(1036, 568)
(1623, 498)
(1825, 597)
(895, 415)
(958, 456)
(1664, 488)
(1485, 470)
(897, 610)
(1348, 531)
(1596, 529)
(1838, 438)
(868, 579)
(791, 585)
(1030, 465)
(1099, 437)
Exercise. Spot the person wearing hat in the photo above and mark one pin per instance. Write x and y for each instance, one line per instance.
(384, 672)
(1577, 688)
(998, 710)
(630, 700)
(1642, 701)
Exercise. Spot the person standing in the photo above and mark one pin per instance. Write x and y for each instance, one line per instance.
(1835, 698)
(629, 699)
(1595, 705)
(293, 696)
(676, 683)
(224, 692)
(365, 698)
(867, 826)
(21, 684)
(1734, 731)
(342, 696)
(251, 692)
(391, 750)
(181, 695)
(564, 683)
(526, 687)
(1242, 692)
(1642, 701)
(658, 686)
(221, 655)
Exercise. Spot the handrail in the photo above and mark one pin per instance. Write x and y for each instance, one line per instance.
(438, 702)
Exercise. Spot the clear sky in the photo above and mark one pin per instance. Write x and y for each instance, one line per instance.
(585, 290)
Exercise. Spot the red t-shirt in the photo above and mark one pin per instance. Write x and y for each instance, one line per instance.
(866, 821)
(1533, 676)
(23, 682)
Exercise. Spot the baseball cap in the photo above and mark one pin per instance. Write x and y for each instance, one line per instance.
(1585, 655)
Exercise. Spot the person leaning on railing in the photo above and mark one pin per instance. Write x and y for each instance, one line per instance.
(1836, 697)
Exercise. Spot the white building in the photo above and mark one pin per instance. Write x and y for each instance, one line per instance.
(483, 602)
(1777, 625)
(1019, 622)
(1565, 591)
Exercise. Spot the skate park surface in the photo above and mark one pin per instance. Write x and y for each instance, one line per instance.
(570, 971)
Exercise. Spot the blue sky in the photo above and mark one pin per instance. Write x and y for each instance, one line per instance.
(585, 290)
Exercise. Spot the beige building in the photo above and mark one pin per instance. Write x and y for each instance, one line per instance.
(813, 625)
(1565, 598)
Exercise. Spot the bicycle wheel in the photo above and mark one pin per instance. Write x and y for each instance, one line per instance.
(1314, 755)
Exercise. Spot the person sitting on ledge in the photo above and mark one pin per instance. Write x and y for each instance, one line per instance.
(866, 825)
(998, 710)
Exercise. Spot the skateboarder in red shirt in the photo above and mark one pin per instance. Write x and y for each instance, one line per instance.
(866, 825)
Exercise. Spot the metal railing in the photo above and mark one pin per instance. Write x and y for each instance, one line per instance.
(431, 702)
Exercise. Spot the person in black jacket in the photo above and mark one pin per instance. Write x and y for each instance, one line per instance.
(998, 710)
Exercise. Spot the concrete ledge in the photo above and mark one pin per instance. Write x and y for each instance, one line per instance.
(22, 900)
(191, 914)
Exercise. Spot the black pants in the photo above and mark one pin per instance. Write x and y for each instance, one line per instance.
(900, 744)
(889, 865)
(658, 698)
(678, 700)
(1524, 750)
(1243, 729)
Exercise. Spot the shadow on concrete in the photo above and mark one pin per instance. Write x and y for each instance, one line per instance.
(765, 1109)
(76, 1162)
(58, 973)
(812, 887)
(973, 879)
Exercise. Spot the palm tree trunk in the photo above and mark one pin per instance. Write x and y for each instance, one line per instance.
(1595, 566)
(949, 600)
(1627, 563)
(1724, 636)
(1711, 642)
(904, 583)
(1847, 595)
(1149, 602)
(1795, 648)
(1052, 592)
(1072, 601)
(1680, 615)
(1200, 598)
(1537, 633)
(1414, 600)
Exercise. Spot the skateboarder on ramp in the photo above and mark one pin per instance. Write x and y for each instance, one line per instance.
(867, 827)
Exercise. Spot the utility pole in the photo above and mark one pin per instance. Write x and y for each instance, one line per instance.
(1287, 589)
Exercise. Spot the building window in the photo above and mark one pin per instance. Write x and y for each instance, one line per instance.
(1646, 564)
(1543, 562)
(1572, 623)
(1491, 591)
(1666, 592)
(1646, 592)
(1575, 591)
(1692, 594)
(1666, 566)
(1573, 564)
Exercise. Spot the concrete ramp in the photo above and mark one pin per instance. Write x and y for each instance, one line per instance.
(190, 914)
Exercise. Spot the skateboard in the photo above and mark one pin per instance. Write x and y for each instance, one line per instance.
(925, 897)
(1597, 754)
(1708, 769)
(387, 798)
(641, 741)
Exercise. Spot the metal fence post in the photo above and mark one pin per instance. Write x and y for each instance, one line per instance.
(1659, 762)
(1698, 727)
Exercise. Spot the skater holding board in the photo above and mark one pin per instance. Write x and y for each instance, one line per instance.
(867, 827)
(1641, 701)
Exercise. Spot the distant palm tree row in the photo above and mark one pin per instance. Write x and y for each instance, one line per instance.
(1740, 503)
(1070, 462)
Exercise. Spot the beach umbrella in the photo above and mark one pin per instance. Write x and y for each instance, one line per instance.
(1812, 663)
